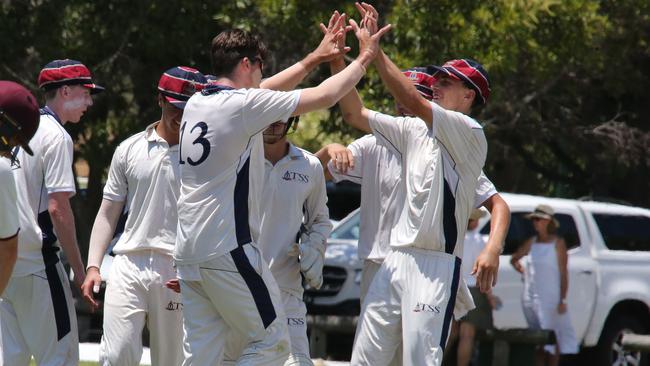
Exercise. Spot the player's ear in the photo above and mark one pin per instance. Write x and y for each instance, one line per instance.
(470, 94)
(161, 100)
(64, 91)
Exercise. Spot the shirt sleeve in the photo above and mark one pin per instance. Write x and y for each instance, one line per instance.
(460, 134)
(484, 190)
(116, 188)
(317, 218)
(8, 205)
(57, 163)
(390, 131)
(263, 107)
(358, 148)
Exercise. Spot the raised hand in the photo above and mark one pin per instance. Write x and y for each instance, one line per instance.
(368, 33)
(332, 45)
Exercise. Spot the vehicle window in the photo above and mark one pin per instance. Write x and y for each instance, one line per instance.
(347, 230)
(521, 229)
(622, 232)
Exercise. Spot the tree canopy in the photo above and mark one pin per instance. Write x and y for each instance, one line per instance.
(570, 79)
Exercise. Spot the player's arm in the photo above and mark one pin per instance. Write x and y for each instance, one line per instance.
(60, 185)
(354, 113)
(339, 154)
(58, 205)
(8, 255)
(335, 87)
(317, 222)
(9, 227)
(402, 89)
(328, 49)
(100, 238)
(316, 211)
(520, 253)
(562, 260)
(399, 86)
(486, 266)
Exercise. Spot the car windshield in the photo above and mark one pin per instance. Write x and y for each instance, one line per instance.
(348, 228)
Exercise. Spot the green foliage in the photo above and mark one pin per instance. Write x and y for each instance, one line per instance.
(567, 115)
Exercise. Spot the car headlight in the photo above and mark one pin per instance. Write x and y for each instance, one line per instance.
(357, 276)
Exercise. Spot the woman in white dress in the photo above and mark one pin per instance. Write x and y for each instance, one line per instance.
(546, 283)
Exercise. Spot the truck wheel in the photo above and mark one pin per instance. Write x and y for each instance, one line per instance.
(609, 350)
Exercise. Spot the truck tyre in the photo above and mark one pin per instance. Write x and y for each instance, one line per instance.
(609, 350)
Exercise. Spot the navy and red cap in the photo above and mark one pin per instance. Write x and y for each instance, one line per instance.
(19, 115)
(179, 83)
(422, 79)
(470, 72)
(66, 72)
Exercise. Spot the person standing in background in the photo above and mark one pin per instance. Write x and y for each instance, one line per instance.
(546, 284)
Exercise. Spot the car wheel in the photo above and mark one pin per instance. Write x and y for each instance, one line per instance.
(610, 350)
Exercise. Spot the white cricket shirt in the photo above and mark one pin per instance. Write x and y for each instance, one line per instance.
(222, 169)
(145, 173)
(294, 193)
(441, 168)
(8, 201)
(48, 171)
(484, 190)
(378, 169)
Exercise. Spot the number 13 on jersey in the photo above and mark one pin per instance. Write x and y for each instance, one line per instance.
(200, 142)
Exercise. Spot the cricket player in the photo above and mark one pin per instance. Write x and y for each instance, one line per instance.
(225, 283)
(18, 123)
(414, 293)
(378, 170)
(37, 314)
(295, 226)
(144, 179)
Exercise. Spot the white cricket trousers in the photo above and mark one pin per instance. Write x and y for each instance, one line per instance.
(37, 317)
(410, 301)
(296, 313)
(370, 268)
(135, 295)
(235, 296)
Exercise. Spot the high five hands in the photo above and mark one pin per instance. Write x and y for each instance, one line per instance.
(368, 32)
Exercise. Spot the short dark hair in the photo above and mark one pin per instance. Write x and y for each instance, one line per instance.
(230, 46)
(50, 94)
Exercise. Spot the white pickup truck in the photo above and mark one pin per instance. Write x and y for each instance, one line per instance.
(609, 266)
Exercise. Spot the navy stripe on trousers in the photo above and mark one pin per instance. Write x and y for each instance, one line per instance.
(451, 304)
(50, 258)
(256, 286)
(253, 280)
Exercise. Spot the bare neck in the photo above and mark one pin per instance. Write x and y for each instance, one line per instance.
(235, 81)
(275, 152)
(57, 106)
(166, 133)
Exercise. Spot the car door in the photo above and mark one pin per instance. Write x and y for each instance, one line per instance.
(582, 268)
